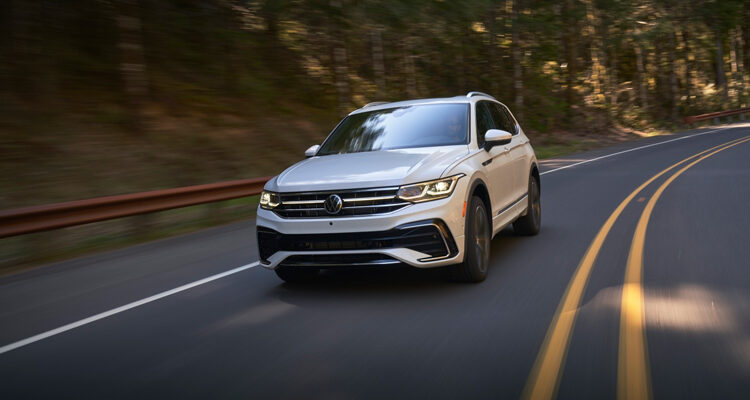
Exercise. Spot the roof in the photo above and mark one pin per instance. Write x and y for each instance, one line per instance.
(379, 105)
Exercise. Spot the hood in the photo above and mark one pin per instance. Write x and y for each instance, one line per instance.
(367, 169)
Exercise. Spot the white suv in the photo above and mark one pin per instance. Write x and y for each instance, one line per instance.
(424, 182)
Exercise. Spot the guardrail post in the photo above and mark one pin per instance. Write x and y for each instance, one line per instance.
(742, 116)
(716, 121)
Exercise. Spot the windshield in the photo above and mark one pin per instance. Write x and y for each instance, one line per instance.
(399, 128)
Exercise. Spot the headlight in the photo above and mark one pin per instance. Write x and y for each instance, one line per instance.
(431, 190)
(269, 200)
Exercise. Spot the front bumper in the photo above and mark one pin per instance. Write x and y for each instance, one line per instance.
(423, 235)
(431, 238)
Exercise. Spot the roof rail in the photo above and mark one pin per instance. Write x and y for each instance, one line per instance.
(375, 103)
(472, 94)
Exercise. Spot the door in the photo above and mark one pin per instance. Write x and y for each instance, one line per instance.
(516, 151)
(495, 161)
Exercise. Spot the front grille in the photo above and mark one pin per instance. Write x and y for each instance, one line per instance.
(429, 237)
(356, 202)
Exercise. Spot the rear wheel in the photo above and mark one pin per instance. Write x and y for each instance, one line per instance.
(477, 248)
(296, 274)
(529, 224)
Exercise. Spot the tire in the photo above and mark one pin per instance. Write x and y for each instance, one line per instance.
(296, 274)
(529, 224)
(477, 249)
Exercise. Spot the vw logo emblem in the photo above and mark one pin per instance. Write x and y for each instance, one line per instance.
(333, 204)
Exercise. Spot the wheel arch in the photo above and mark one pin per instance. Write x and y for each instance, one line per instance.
(479, 188)
(535, 174)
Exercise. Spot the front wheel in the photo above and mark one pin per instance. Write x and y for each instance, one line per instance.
(529, 224)
(477, 248)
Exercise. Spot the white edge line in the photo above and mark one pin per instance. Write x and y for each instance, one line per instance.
(120, 309)
(629, 150)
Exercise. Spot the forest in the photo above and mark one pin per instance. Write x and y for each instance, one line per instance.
(110, 96)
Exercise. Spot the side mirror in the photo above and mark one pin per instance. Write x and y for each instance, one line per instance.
(312, 150)
(496, 137)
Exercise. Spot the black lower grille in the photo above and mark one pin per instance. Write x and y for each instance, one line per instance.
(429, 237)
(335, 260)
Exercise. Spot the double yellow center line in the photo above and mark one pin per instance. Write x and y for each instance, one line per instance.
(633, 372)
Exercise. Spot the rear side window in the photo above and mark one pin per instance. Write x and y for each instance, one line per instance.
(484, 121)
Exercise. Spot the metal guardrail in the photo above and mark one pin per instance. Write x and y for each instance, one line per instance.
(716, 115)
(53, 216)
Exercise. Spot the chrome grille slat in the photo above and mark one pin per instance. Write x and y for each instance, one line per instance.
(296, 202)
(341, 192)
(361, 202)
(304, 209)
(356, 200)
(379, 205)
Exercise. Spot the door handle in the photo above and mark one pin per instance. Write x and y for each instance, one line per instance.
(486, 163)
(507, 149)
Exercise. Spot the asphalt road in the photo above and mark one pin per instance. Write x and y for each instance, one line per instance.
(404, 333)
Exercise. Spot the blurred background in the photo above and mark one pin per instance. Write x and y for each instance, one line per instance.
(101, 97)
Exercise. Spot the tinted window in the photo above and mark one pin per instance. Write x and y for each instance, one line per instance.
(509, 122)
(484, 121)
(398, 128)
(498, 117)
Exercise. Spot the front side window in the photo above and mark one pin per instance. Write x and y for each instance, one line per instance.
(502, 119)
(484, 121)
(508, 118)
(398, 128)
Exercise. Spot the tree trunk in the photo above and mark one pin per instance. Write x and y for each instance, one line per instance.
(269, 11)
(340, 62)
(460, 66)
(341, 73)
(463, 61)
(132, 59)
(734, 84)
(689, 57)
(613, 85)
(569, 44)
(230, 54)
(491, 59)
(651, 66)
(378, 65)
(641, 76)
(673, 88)
(410, 79)
(21, 61)
(733, 54)
(744, 81)
(721, 77)
(737, 64)
(517, 71)
(609, 64)
(595, 46)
